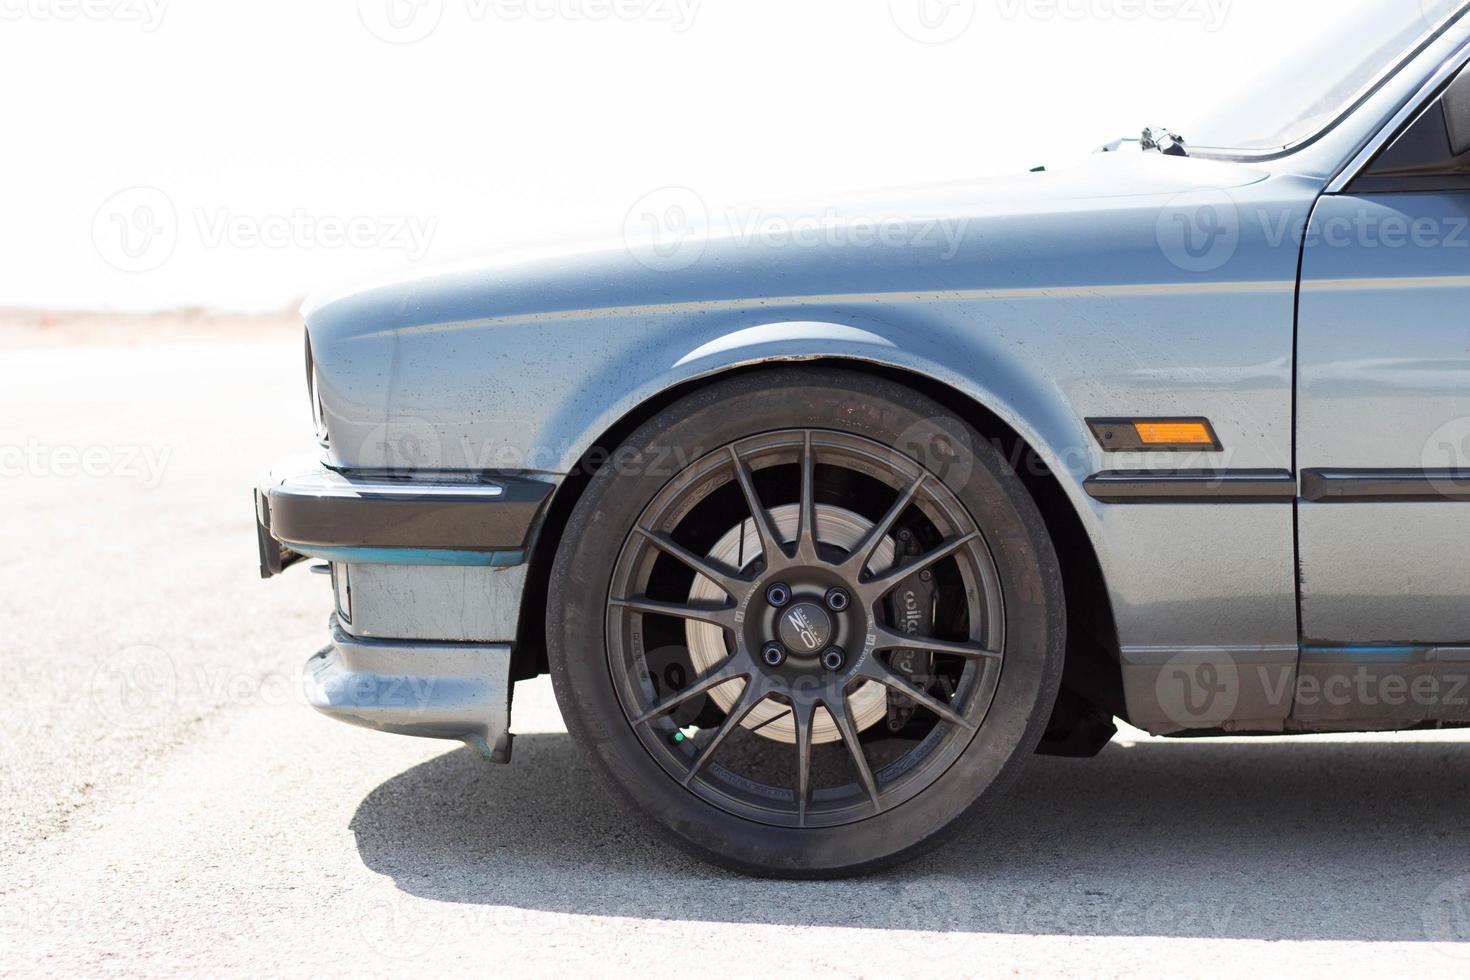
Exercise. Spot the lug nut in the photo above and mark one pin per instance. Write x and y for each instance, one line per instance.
(774, 654)
(838, 599)
(834, 659)
(778, 595)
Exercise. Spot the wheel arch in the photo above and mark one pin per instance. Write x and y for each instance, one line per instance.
(1092, 673)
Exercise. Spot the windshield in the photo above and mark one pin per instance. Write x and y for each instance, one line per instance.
(1328, 76)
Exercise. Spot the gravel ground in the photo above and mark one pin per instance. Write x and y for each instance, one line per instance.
(170, 805)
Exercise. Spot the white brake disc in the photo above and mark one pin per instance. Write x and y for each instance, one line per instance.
(739, 548)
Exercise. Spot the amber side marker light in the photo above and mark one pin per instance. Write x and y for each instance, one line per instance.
(1155, 435)
(1174, 433)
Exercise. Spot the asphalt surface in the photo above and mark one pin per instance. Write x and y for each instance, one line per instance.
(171, 806)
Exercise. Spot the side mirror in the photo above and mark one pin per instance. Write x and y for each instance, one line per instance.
(1432, 154)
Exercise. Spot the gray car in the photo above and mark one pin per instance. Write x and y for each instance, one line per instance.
(822, 526)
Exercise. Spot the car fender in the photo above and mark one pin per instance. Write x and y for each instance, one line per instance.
(1001, 383)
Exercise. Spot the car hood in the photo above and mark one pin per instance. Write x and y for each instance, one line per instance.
(1035, 229)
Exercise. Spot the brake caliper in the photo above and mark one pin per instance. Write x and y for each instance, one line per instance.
(911, 606)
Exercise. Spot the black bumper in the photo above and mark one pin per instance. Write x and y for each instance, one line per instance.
(309, 510)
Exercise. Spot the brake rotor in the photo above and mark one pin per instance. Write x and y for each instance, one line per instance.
(739, 548)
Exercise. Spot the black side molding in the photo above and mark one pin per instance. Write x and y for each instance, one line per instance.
(1385, 486)
(1192, 487)
(1278, 486)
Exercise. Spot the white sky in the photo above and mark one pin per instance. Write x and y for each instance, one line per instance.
(516, 122)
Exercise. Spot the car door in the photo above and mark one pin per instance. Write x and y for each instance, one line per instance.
(1383, 414)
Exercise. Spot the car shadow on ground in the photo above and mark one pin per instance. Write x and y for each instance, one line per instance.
(1306, 840)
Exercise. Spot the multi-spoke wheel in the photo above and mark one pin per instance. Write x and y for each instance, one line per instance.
(813, 644)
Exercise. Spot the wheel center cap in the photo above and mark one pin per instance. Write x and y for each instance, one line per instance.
(805, 628)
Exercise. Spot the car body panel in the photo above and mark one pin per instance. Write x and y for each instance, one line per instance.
(1134, 285)
(1053, 308)
(1064, 295)
(1384, 373)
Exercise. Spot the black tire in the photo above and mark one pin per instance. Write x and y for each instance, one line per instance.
(849, 404)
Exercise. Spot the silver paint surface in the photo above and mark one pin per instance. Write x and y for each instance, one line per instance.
(1060, 304)
(431, 690)
(1065, 295)
(1383, 355)
(444, 602)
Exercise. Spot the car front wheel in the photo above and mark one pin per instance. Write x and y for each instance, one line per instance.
(804, 620)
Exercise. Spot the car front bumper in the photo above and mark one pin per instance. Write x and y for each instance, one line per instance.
(433, 690)
(427, 576)
(302, 508)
